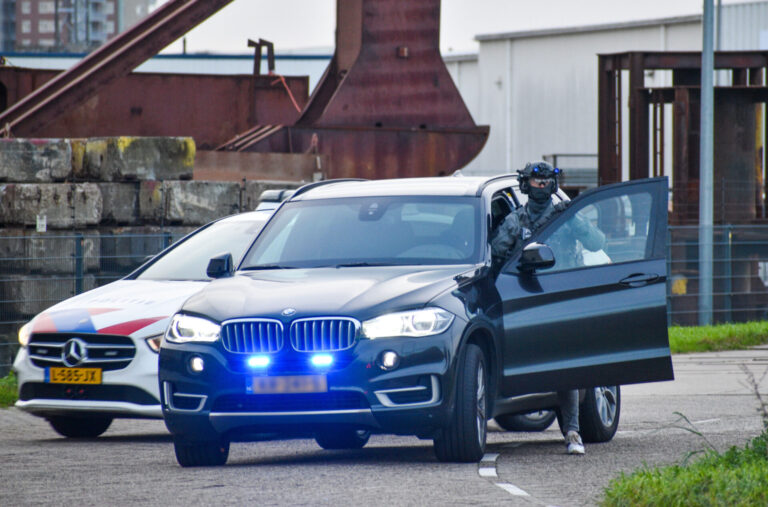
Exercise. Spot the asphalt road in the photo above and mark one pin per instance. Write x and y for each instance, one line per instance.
(133, 463)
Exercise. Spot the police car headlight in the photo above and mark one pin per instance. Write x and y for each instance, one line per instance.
(185, 328)
(24, 334)
(415, 323)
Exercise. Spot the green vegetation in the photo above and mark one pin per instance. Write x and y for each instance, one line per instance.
(736, 477)
(720, 337)
(8, 390)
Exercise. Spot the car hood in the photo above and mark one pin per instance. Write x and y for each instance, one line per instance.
(361, 292)
(137, 308)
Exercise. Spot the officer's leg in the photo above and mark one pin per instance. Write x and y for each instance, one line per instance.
(569, 410)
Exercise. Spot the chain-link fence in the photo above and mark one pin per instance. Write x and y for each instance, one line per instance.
(740, 274)
(39, 270)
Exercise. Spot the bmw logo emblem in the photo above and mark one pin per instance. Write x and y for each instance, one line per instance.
(288, 312)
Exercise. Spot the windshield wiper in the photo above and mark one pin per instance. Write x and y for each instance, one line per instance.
(266, 266)
(363, 264)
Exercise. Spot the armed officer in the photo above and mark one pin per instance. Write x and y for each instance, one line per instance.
(539, 180)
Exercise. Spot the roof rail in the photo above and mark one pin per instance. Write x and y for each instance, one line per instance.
(494, 180)
(315, 184)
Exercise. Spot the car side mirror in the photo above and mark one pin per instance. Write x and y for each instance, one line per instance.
(220, 266)
(536, 256)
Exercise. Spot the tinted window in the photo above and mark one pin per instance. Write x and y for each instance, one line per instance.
(606, 231)
(375, 230)
(189, 260)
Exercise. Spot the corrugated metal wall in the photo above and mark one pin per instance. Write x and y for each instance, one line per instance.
(742, 25)
(539, 93)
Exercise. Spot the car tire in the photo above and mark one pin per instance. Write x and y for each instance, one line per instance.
(200, 454)
(599, 414)
(79, 427)
(342, 439)
(533, 421)
(463, 440)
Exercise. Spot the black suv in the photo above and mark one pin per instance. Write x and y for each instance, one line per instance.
(376, 306)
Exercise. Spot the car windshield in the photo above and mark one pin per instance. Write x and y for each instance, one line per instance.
(365, 231)
(189, 260)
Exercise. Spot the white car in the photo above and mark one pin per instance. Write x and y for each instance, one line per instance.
(93, 357)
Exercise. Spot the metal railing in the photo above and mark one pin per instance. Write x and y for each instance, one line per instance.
(37, 271)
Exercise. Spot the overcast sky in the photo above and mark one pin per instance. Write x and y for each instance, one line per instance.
(303, 24)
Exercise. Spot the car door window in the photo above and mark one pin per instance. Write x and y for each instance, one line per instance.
(610, 230)
(500, 208)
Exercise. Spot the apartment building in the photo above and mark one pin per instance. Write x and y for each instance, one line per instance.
(65, 25)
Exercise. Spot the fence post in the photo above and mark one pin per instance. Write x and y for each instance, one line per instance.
(728, 275)
(669, 277)
(78, 263)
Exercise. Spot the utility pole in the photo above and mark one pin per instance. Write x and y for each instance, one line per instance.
(706, 155)
(57, 34)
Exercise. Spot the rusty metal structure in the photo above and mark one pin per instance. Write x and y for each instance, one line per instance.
(739, 141)
(111, 61)
(740, 129)
(386, 106)
(149, 104)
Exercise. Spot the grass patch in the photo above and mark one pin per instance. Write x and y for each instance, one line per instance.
(8, 390)
(684, 340)
(736, 477)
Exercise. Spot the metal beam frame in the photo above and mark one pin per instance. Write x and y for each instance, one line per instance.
(113, 60)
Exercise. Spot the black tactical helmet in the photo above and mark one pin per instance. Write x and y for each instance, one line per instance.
(539, 169)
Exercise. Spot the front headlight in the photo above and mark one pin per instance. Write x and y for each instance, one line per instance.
(24, 334)
(185, 328)
(415, 323)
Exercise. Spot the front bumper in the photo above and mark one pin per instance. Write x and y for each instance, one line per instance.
(412, 399)
(131, 392)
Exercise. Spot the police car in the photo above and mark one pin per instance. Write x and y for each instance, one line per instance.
(93, 358)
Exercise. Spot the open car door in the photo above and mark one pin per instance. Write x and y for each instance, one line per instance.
(598, 315)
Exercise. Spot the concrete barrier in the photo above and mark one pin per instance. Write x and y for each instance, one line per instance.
(135, 158)
(120, 203)
(35, 160)
(28, 295)
(27, 251)
(63, 205)
(187, 202)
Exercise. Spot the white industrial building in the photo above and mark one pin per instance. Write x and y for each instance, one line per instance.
(538, 89)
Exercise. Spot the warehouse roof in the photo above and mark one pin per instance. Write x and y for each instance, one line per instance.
(696, 18)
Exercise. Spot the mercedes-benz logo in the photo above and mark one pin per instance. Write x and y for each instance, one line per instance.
(75, 352)
(288, 312)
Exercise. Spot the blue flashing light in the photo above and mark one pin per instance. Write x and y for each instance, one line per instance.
(258, 361)
(321, 360)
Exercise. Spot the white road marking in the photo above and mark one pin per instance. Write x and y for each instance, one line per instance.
(487, 472)
(490, 457)
(705, 421)
(512, 489)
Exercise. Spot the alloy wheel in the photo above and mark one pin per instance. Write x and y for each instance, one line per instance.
(481, 405)
(605, 398)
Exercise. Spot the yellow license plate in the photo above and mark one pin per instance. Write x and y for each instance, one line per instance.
(288, 384)
(74, 375)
